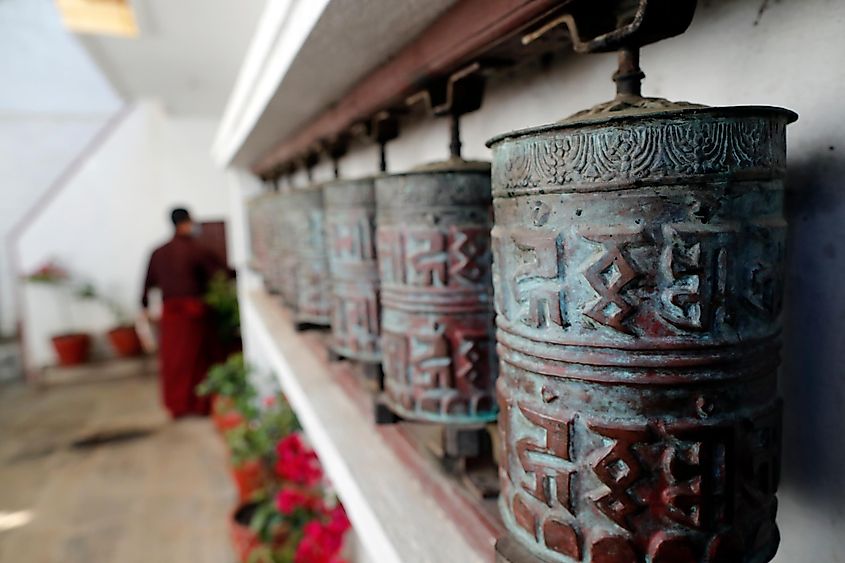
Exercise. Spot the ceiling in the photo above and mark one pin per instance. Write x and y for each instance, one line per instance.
(313, 54)
(40, 58)
(187, 55)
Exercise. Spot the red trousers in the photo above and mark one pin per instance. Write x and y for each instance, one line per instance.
(185, 354)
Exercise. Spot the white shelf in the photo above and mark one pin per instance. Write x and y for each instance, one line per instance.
(398, 513)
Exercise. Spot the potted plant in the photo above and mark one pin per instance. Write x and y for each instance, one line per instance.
(222, 301)
(248, 447)
(244, 539)
(123, 337)
(124, 341)
(251, 446)
(295, 524)
(71, 347)
(232, 395)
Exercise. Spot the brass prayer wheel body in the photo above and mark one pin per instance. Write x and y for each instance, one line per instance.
(307, 218)
(350, 233)
(437, 313)
(638, 269)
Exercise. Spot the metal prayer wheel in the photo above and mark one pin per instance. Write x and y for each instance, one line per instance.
(638, 271)
(434, 258)
(273, 242)
(258, 217)
(350, 234)
(287, 262)
(306, 218)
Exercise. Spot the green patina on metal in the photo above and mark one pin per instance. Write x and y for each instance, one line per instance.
(437, 318)
(350, 234)
(638, 271)
(306, 220)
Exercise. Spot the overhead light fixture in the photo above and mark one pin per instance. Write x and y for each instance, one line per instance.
(99, 17)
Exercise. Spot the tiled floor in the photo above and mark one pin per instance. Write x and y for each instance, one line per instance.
(162, 497)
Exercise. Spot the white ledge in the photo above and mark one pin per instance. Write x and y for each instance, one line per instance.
(393, 511)
(304, 56)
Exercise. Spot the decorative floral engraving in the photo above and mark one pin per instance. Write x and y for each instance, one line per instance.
(623, 155)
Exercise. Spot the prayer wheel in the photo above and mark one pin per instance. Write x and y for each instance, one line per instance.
(306, 216)
(638, 271)
(274, 243)
(258, 217)
(350, 233)
(287, 260)
(433, 241)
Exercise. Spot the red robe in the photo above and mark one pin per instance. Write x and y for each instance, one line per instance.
(182, 269)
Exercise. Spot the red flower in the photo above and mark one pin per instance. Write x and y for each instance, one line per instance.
(320, 544)
(338, 521)
(289, 500)
(297, 463)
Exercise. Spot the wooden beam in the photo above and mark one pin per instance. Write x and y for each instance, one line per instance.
(462, 35)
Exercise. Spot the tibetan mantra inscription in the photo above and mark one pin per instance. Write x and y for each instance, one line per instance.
(434, 260)
(638, 268)
(350, 233)
(307, 217)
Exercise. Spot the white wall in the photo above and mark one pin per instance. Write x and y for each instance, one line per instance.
(737, 52)
(52, 103)
(106, 220)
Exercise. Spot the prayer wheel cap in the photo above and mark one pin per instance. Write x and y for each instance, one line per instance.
(623, 109)
(451, 165)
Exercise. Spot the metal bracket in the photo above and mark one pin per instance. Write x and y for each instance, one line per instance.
(335, 149)
(599, 26)
(459, 93)
(383, 127)
(309, 161)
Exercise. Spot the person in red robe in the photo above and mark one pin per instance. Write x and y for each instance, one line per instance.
(182, 269)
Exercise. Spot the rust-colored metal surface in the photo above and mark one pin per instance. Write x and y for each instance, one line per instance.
(350, 233)
(306, 217)
(638, 269)
(437, 319)
(460, 36)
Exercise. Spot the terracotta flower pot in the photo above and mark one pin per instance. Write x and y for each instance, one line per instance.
(244, 539)
(249, 478)
(224, 415)
(125, 342)
(72, 348)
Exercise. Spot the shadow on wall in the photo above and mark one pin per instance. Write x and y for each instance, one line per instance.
(812, 381)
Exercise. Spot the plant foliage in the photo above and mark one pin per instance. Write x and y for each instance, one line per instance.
(222, 299)
(231, 380)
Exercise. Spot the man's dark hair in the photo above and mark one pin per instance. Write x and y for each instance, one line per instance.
(179, 215)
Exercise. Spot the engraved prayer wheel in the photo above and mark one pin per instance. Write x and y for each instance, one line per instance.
(434, 258)
(306, 216)
(287, 257)
(258, 217)
(638, 272)
(273, 241)
(350, 234)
